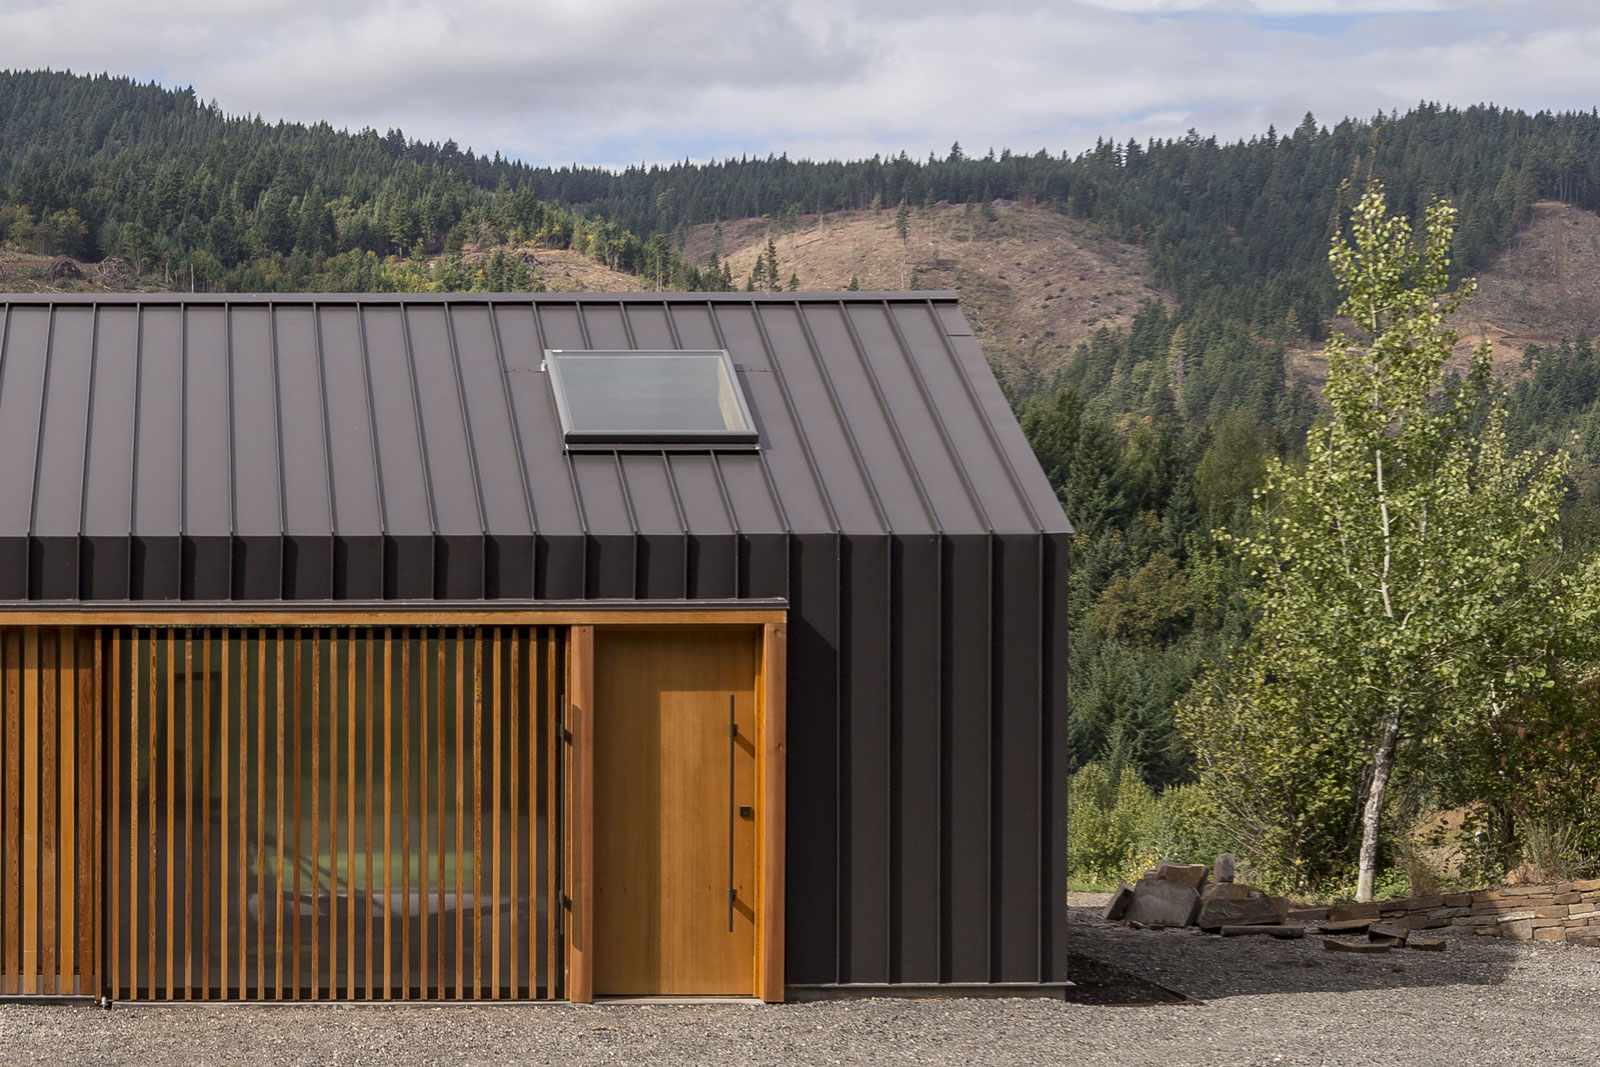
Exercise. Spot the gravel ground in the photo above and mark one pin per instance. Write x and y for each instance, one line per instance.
(877, 1031)
(1482, 1001)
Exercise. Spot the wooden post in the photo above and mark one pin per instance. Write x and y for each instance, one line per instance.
(774, 778)
(580, 815)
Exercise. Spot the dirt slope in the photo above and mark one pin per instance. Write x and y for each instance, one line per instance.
(1033, 282)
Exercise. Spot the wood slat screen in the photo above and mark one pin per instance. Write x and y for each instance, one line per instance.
(49, 743)
(337, 813)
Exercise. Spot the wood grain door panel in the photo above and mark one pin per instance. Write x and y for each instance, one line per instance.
(663, 753)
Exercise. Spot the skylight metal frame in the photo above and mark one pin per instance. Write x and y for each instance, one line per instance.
(589, 438)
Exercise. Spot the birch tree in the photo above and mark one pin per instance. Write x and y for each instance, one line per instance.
(1408, 574)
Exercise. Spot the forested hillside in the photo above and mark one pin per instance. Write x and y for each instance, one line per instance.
(194, 199)
(1153, 404)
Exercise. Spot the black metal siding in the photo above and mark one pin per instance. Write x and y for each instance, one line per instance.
(327, 449)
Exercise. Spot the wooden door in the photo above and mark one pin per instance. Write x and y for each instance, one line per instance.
(675, 775)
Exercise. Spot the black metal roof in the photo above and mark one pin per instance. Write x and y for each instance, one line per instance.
(349, 447)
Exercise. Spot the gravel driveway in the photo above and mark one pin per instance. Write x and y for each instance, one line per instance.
(1483, 1001)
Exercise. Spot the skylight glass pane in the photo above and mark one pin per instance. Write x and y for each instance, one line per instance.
(641, 397)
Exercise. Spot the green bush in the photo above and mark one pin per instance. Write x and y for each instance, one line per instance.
(1118, 829)
(1107, 814)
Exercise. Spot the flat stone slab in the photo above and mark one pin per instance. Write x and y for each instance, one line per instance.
(1162, 904)
(1345, 926)
(1397, 931)
(1331, 945)
(1308, 915)
(1426, 944)
(1117, 906)
(1192, 875)
(1341, 912)
(1279, 930)
(1235, 904)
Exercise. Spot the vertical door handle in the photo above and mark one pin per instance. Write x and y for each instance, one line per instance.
(733, 744)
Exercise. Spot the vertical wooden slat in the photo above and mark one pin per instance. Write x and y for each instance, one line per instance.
(316, 813)
(388, 799)
(350, 816)
(297, 636)
(261, 813)
(277, 899)
(95, 810)
(439, 815)
(46, 675)
(580, 819)
(30, 811)
(172, 816)
(114, 936)
(188, 805)
(477, 813)
(341, 641)
(224, 713)
(461, 814)
(12, 646)
(153, 687)
(134, 690)
(244, 823)
(514, 798)
(495, 829)
(424, 758)
(66, 807)
(553, 707)
(205, 814)
(370, 714)
(405, 813)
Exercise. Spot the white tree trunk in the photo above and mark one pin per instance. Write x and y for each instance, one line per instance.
(1371, 817)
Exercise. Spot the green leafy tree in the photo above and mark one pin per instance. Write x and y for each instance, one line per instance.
(1409, 587)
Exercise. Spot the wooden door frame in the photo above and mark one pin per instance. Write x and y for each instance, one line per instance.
(767, 979)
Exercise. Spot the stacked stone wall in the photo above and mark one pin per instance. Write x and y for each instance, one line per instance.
(1560, 911)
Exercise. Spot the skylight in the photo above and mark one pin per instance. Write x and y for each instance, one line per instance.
(649, 397)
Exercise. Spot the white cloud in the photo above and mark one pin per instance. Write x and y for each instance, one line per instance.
(614, 81)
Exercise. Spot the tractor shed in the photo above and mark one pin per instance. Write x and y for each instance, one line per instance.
(531, 646)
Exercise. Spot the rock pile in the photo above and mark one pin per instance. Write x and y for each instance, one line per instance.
(1177, 894)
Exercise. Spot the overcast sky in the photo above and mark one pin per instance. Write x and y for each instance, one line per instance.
(618, 81)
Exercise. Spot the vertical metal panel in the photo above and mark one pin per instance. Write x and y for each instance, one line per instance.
(609, 563)
(157, 484)
(865, 815)
(974, 445)
(1015, 818)
(965, 808)
(916, 426)
(207, 480)
(58, 484)
(108, 464)
(916, 784)
(303, 430)
(878, 450)
(407, 510)
(814, 744)
(1055, 759)
(352, 456)
(24, 353)
(712, 547)
(661, 557)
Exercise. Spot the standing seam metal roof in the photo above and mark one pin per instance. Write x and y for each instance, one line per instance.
(230, 430)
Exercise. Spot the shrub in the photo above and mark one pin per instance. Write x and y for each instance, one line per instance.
(1107, 817)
